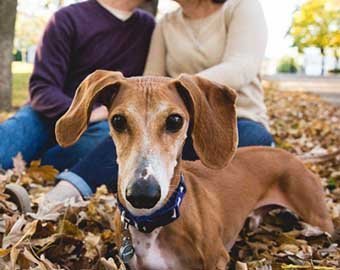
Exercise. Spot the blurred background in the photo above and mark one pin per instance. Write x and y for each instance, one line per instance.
(303, 49)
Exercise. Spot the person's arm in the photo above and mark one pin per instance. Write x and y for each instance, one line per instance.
(245, 47)
(51, 68)
(155, 64)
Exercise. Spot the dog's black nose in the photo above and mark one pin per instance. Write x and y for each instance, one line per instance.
(143, 193)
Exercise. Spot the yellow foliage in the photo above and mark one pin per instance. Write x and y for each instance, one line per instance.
(316, 23)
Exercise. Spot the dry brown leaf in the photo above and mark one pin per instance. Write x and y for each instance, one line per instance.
(29, 256)
(93, 246)
(241, 266)
(65, 227)
(41, 174)
(4, 252)
(19, 164)
(110, 264)
(15, 233)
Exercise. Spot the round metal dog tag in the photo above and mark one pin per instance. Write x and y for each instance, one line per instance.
(127, 251)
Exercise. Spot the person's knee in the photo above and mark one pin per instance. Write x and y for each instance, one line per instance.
(98, 129)
(26, 132)
(103, 157)
(265, 138)
(252, 133)
(93, 136)
(64, 158)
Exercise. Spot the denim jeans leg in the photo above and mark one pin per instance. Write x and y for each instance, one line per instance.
(253, 133)
(65, 158)
(250, 133)
(27, 132)
(97, 168)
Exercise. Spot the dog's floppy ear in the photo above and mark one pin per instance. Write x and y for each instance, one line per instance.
(213, 119)
(74, 122)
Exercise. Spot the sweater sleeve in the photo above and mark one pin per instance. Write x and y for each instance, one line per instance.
(245, 47)
(155, 64)
(51, 66)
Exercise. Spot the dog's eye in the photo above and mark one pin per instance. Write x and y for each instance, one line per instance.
(119, 123)
(174, 123)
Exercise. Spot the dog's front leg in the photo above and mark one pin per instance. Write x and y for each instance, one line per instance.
(223, 260)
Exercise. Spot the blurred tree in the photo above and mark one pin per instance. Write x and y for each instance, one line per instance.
(335, 45)
(316, 24)
(287, 65)
(56, 3)
(28, 30)
(8, 10)
(31, 23)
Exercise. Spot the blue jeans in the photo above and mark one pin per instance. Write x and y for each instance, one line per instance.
(100, 167)
(32, 134)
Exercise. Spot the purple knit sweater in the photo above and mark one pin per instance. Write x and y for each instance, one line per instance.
(78, 40)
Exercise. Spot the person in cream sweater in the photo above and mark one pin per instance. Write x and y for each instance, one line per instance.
(223, 41)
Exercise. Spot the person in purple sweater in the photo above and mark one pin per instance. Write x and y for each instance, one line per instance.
(79, 39)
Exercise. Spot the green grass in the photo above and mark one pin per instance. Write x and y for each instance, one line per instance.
(21, 74)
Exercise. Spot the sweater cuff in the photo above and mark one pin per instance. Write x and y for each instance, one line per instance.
(78, 182)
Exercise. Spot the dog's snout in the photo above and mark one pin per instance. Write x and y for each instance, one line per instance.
(143, 193)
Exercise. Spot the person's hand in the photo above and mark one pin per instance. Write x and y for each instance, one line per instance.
(61, 192)
(99, 114)
(55, 199)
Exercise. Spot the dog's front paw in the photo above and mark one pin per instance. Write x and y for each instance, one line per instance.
(223, 261)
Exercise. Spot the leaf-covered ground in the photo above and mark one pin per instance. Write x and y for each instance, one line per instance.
(77, 235)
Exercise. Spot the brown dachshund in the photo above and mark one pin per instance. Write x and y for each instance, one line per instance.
(150, 118)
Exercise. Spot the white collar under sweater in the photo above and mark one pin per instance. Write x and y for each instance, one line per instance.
(120, 14)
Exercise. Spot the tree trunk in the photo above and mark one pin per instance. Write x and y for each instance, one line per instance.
(322, 50)
(337, 58)
(60, 3)
(8, 10)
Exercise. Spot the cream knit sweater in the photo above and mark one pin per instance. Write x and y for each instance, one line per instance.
(227, 47)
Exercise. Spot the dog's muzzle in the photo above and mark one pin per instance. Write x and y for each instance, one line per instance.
(143, 193)
(168, 213)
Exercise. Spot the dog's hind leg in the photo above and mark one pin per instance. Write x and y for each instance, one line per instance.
(304, 194)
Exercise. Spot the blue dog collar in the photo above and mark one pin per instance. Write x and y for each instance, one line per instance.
(164, 216)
